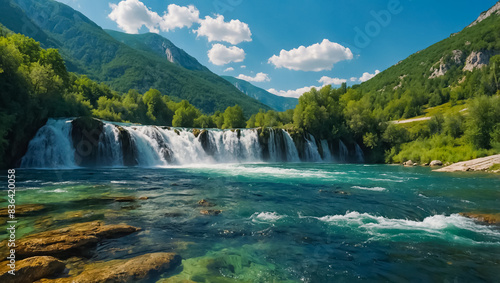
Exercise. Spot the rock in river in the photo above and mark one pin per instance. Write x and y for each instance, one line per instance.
(22, 209)
(71, 240)
(32, 269)
(138, 269)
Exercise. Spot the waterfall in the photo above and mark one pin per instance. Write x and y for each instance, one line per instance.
(360, 157)
(327, 155)
(110, 147)
(130, 145)
(312, 153)
(292, 154)
(343, 152)
(52, 147)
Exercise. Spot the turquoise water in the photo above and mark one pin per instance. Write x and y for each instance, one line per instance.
(284, 222)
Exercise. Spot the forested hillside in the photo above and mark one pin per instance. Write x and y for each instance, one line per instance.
(88, 49)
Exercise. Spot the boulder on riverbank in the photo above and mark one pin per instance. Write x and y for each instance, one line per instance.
(436, 163)
(72, 240)
(137, 269)
(31, 269)
(478, 164)
(409, 163)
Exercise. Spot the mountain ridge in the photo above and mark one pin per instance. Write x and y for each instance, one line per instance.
(276, 102)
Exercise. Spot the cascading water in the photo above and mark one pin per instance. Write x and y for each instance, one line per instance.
(291, 150)
(312, 153)
(343, 151)
(161, 146)
(360, 156)
(327, 155)
(52, 147)
(110, 147)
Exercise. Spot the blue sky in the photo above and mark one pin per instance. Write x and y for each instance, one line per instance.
(260, 40)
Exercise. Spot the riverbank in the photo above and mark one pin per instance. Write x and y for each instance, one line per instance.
(478, 164)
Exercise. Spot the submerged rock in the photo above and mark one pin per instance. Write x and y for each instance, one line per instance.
(31, 269)
(71, 240)
(124, 199)
(22, 209)
(211, 212)
(483, 217)
(206, 203)
(137, 269)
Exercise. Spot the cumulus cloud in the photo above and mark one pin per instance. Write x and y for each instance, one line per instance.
(366, 76)
(132, 15)
(179, 17)
(296, 93)
(243, 66)
(229, 69)
(353, 79)
(215, 29)
(260, 77)
(220, 55)
(317, 57)
(331, 81)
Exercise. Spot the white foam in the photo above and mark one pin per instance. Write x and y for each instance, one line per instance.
(436, 225)
(118, 182)
(266, 217)
(376, 189)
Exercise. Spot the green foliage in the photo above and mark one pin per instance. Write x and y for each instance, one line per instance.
(483, 118)
(233, 118)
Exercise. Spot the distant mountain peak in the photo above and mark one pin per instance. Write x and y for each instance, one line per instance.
(159, 45)
(486, 14)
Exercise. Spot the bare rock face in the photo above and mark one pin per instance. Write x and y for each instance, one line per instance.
(71, 240)
(32, 269)
(477, 59)
(456, 59)
(138, 269)
(486, 14)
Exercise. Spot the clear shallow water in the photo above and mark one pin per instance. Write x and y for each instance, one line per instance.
(284, 222)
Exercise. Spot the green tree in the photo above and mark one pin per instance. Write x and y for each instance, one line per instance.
(233, 118)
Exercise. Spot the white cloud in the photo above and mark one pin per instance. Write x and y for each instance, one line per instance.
(179, 17)
(260, 77)
(243, 66)
(331, 81)
(296, 93)
(366, 76)
(216, 29)
(229, 69)
(317, 57)
(220, 55)
(131, 15)
(353, 79)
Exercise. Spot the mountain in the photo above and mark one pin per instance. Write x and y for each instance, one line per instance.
(452, 69)
(126, 63)
(276, 102)
(160, 46)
